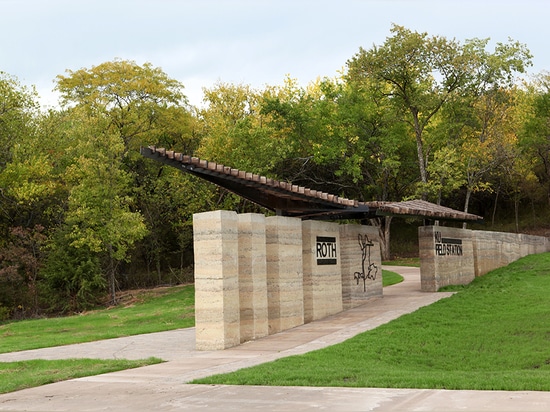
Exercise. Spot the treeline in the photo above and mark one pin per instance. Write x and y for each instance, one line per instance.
(84, 215)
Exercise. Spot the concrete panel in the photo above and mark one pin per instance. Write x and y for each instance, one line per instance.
(252, 276)
(497, 249)
(321, 266)
(446, 257)
(216, 280)
(285, 293)
(361, 264)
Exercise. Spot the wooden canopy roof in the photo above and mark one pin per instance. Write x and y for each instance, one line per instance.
(291, 200)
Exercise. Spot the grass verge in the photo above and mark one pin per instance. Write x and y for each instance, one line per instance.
(390, 278)
(21, 375)
(492, 335)
(173, 308)
(415, 262)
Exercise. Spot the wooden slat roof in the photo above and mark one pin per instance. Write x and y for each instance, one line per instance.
(288, 199)
(423, 209)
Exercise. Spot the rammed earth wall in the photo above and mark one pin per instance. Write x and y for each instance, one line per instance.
(257, 275)
(452, 256)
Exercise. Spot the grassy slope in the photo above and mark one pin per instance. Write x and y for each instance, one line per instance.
(173, 309)
(494, 334)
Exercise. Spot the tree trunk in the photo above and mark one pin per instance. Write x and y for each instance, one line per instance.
(467, 205)
(383, 226)
(516, 212)
(420, 153)
(495, 207)
(111, 274)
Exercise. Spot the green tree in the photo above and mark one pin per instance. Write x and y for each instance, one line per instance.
(341, 139)
(421, 74)
(132, 97)
(18, 111)
(234, 131)
(18, 108)
(72, 277)
(131, 106)
(99, 214)
(535, 135)
(20, 261)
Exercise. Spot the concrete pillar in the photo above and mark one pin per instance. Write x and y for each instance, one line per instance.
(446, 257)
(322, 275)
(361, 264)
(252, 276)
(285, 295)
(216, 280)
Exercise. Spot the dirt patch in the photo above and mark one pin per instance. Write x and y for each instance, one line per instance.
(132, 297)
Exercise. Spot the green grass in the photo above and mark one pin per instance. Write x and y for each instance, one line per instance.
(390, 278)
(20, 375)
(172, 308)
(492, 335)
(403, 262)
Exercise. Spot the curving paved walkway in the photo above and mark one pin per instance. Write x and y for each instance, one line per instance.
(164, 387)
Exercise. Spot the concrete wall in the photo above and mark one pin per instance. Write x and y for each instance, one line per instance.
(496, 249)
(256, 276)
(252, 276)
(452, 256)
(285, 295)
(356, 260)
(217, 320)
(321, 268)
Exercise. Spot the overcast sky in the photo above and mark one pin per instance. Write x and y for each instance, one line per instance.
(255, 42)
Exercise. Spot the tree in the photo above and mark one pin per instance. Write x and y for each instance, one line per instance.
(18, 110)
(235, 131)
(72, 277)
(420, 74)
(20, 262)
(130, 96)
(129, 106)
(18, 107)
(99, 215)
(339, 139)
(535, 135)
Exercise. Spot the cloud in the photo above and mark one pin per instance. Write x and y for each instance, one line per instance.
(255, 42)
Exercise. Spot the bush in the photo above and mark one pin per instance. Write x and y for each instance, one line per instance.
(72, 280)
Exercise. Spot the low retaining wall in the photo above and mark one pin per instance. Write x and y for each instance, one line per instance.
(452, 256)
(257, 275)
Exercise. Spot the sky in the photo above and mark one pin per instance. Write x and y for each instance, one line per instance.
(254, 42)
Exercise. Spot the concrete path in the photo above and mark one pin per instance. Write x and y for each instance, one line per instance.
(164, 387)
